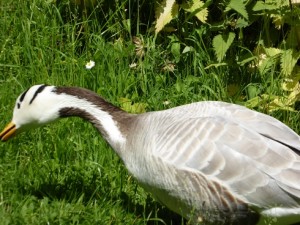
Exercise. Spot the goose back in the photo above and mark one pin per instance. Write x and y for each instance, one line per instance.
(215, 155)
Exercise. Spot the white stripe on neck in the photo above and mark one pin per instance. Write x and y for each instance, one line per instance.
(114, 135)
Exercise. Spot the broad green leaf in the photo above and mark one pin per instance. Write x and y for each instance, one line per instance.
(253, 91)
(195, 6)
(127, 106)
(259, 101)
(266, 64)
(221, 44)
(139, 107)
(253, 102)
(290, 84)
(272, 51)
(241, 22)
(187, 49)
(262, 6)
(274, 106)
(259, 6)
(167, 11)
(239, 6)
(282, 103)
(279, 3)
(294, 96)
(293, 86)
(288, 61)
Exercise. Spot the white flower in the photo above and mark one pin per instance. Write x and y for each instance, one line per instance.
(90, 65)
(166, 102)
(132, 65)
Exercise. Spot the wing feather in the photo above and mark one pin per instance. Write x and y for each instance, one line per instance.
(249, 158)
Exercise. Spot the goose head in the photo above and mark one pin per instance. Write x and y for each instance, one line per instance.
(33, 108)
(42, 104)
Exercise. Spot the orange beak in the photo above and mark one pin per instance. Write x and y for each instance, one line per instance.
(8, 132)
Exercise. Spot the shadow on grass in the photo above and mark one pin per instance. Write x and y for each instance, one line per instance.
(153, 212)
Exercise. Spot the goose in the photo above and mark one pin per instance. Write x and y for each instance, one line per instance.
(211, 162)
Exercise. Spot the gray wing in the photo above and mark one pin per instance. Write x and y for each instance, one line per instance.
(264, 125)
(250, 155)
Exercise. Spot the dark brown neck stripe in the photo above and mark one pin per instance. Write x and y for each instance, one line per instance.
(122, 118)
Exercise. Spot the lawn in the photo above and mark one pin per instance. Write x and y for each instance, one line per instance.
(65, 173)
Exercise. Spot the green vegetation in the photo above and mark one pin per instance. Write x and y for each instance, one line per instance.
(237, 51)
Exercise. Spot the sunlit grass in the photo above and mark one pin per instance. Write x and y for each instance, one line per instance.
(65, 173)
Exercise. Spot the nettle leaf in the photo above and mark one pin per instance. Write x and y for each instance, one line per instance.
(241, 22)
(259, 101)
(221, 44)
(264, 6)
(195, 6)
(282, 103)
(288, 61)
(266, 64)
(239, 6)
(272, 52)
(128, 106)
(291, 85)
(268, 59)
(165, 12)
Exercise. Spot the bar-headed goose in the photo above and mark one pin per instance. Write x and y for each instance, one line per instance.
(208, 161)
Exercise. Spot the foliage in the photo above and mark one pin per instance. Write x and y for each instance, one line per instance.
(147, 57)
(262, 36)
(221, 44)
(128, 106)
(168, 10)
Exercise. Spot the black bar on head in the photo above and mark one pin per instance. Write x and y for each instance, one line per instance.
(39, 90)
(23, 95)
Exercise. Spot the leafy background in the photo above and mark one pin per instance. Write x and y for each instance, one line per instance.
(149, 55)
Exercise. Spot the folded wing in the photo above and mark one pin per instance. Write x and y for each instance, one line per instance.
(253, 155)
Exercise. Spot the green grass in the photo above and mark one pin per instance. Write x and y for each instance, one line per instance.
(65, 173)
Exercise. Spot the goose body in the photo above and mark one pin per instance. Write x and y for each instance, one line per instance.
(208, 161)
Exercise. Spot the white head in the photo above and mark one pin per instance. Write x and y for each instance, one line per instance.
(42, 104)
(36, 106)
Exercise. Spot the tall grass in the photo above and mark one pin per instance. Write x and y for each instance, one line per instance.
(65, 173)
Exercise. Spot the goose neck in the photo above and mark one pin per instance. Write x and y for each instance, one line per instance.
(108, 119)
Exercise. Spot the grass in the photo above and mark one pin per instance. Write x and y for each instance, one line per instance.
(65, 173)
